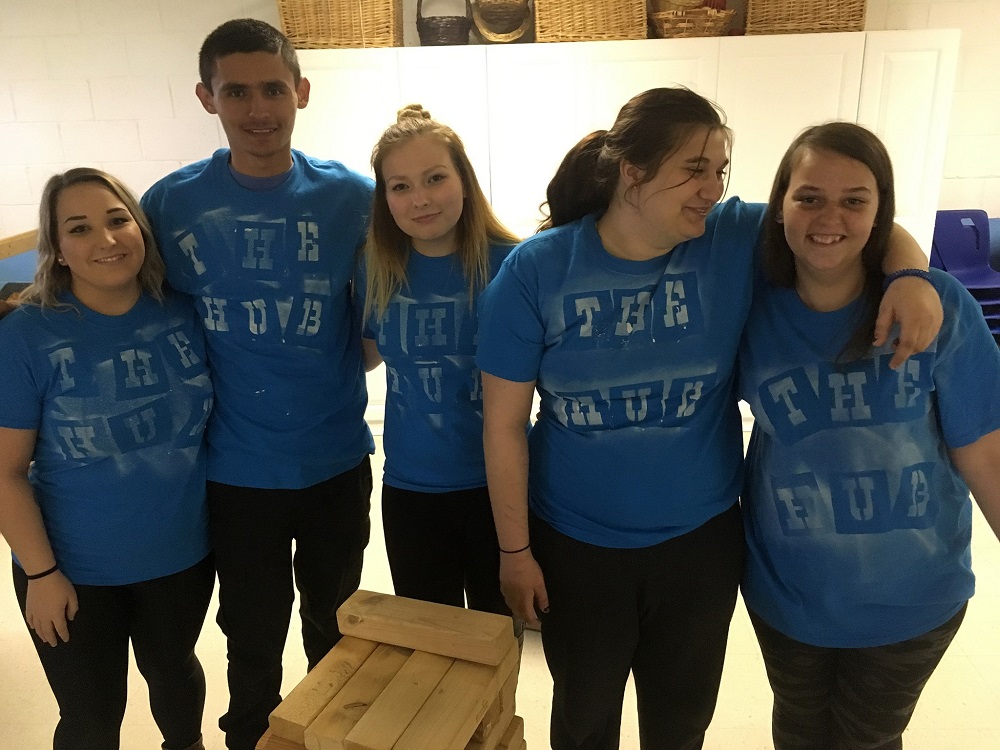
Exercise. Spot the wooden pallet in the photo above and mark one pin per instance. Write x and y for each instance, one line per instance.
(407, 675)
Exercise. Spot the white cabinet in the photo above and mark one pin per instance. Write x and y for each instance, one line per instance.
(771, 87)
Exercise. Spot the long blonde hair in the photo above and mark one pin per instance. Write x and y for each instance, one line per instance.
(52, 280)
(387, 248)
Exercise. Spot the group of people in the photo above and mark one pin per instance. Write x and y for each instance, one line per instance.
(186, 396)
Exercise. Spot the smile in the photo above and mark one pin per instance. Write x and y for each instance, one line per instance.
(110, 258)
(426, 218)
(825, 239)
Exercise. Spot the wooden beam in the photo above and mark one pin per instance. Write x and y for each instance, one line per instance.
(335, 722)
(19, 243)
(460, 633)
(301, 706)
(450, 716)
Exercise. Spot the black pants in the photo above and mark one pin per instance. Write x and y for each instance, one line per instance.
(253, 531)
(442, 547)
(661, 612)
(847, 698)
(89, 673)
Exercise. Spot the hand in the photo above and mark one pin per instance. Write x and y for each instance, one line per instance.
(50, 606)
(916, 306)
(6, 306)
(523, 586)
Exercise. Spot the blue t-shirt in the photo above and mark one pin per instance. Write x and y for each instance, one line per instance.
(639, 435)
(120, 405)
(270, 272)
(433, 435)
(857, 524)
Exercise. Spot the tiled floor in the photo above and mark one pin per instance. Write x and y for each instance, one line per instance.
(958, 710)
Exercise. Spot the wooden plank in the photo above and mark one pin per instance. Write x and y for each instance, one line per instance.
(270, 741)
(19, 243)
(387, 718)
(331, 726)
(505, 700)
(497, 732)
(460, 633)
(513, 738)
(452, 713)
(301, 706)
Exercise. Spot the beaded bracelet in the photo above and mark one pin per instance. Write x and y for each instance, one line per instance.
(44, 573)
(918, 272)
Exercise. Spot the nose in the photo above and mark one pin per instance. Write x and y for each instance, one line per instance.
(713, 187)
(258, 105)
(419, 197)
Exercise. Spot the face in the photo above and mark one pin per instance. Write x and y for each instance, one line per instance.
(256, 98)
(425, 193)
(828, 212)
(101, 244)
(674, 204)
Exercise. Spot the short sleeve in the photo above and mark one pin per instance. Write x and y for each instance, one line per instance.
(511, 329)
(967, 368)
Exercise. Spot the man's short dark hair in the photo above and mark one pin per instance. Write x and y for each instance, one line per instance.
(245, 35)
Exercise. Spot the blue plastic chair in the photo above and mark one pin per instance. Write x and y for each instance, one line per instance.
(961, 247)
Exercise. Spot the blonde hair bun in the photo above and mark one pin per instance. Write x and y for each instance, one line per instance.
(412, 112)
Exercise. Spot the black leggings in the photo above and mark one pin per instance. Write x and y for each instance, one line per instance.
(661, 613)
(442, 547)
(89, 673)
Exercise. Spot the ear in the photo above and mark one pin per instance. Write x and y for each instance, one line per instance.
(302, 91)
(780, 218)
(629, 174)
(206, 98)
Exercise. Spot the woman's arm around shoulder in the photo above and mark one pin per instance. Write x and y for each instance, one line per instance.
(52, 599)
(910, 301)
(506, 410)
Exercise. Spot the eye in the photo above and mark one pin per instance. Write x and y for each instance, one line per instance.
(856, 202)
(806, 200)
(397, 187)
(695, 171)
(275, 90)
(77, 229)
(438, 177)
(118, 221)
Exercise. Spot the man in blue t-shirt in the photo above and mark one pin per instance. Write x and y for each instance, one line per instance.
(264, 239)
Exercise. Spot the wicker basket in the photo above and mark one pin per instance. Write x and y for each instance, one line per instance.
(694, 22)
(571, 21)
(804, 16)
(439, 30)
(663, 6)
(501, 20)
(322, 24)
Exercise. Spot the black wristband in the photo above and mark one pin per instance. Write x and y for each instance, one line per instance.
(918, 272)
(44, 573)
(514, 551)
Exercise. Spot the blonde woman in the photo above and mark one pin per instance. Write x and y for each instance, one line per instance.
(106, 391)
(433, 245)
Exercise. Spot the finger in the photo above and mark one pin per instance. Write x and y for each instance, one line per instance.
(73, 606)
(47, 634)
(542, 599)
(883, 323)
(904, 349)
(62, 628)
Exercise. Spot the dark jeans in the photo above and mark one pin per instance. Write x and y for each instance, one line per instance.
(661, 613)
(89, 673)
(847, 698)
(253, 531)
(442, 547)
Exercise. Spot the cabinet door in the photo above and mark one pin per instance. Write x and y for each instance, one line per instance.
(544, 98)
(906, 97)
(450, 83)
(354, 96)
(771, 87)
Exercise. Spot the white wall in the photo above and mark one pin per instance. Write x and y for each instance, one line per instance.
(110, 83)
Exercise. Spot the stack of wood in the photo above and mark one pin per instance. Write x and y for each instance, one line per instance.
(407, 675)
